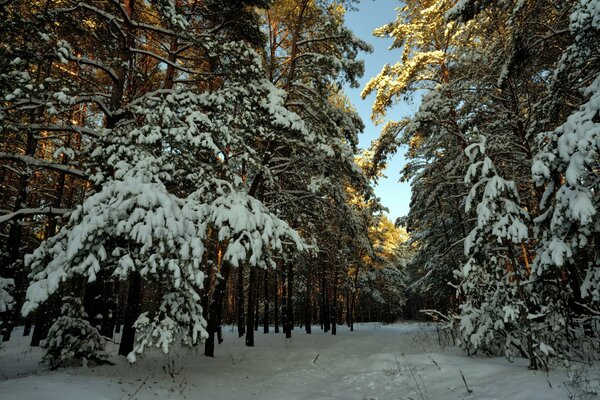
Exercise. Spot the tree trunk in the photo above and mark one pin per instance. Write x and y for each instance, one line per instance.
(132, 312)
(276, 303)
(250, 313)
(334, 303)
(215, 310)
(533, 365)
(307, 303)
(325, 305)
(289, 308)
(284, 313)
(240, 301)
(256, 304)
(266, 303)
(41, 324)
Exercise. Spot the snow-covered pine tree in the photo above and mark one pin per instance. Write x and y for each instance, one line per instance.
(72, 336)
(496, 298)
(6, 299)
(567, 265)
(170, 184)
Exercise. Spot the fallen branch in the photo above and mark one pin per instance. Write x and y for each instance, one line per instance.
(469, 391)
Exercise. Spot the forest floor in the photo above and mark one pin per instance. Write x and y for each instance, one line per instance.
(375, 362)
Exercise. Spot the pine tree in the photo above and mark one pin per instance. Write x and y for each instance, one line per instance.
(496, 305)
(167, 188)
(566, 166)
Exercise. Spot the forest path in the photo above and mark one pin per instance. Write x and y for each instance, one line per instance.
(398, 361)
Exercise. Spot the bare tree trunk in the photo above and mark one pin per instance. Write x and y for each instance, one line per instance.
(284, 300)
(215, 310)
(250, 313)
(334, 303)
(41, 324)
(307, 302)
(132, 312)
(348, 317)
(290, 306)
(240, 301)
(266, 303)
(256, 304)
(325, 304)
(276, 303)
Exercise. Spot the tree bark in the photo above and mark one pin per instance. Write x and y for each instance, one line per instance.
(240, 301)
(266, 303)
(215, 310)
(132, 312)
(325, 304)
(284, 313)
(256, 304)
(276, 303)
(250, 313)
(290, 306)
(307, 302)
(334, 303)
(41, 324)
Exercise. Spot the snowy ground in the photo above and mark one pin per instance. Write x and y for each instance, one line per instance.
(399, 361)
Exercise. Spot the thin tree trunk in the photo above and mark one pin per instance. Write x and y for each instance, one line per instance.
(334, 303)
(533, 365)
(41, 324)
(266, 303)
(348, 318)
(27, 328)
(132, 311)
(276, 303)
(250, 313)
(325, 305)
(307, 303)
(284, 313)
(256, 304)
(215, 310)
(240, 301)
(290, 306)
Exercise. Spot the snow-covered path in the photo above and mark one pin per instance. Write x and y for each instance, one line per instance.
(399, 361)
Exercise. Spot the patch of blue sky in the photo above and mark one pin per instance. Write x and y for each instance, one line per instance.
(371, 14)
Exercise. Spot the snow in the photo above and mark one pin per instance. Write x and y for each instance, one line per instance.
(397, 361)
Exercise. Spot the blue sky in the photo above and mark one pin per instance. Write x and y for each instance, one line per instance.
(372, 14)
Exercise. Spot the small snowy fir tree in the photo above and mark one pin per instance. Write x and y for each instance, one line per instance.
(496, 301)
(6, 300)
(72, 337)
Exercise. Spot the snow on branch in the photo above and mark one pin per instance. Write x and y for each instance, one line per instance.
(62, 128)
(26, 212)
(32, 161)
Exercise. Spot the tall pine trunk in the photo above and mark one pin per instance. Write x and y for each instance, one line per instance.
(132, 311)
(256, 304)
(266, 303)
(307, 303)
(334, 304)
(240, 301)
(284, 313)
(290, 305)
(215, 310)
(325, 304)
(250, 312)
(276, 303)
